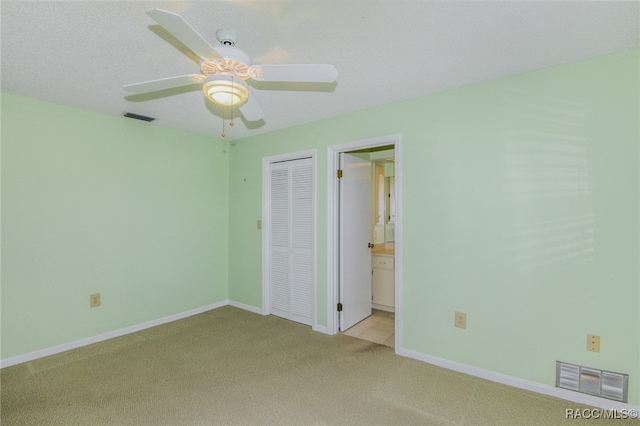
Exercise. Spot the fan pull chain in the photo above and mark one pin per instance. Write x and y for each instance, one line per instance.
(223, 121)
(232, 91)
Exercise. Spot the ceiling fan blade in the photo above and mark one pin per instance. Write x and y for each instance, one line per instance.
(184, 32)
(324, 73)
(164, 83)
(251, 110)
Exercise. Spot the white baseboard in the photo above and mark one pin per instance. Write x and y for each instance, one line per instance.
(519, 383)
(383, 307)
(440, 362)
(104, 336)
(320, 329)
(316, 327)
(249, 308)
(121, 332)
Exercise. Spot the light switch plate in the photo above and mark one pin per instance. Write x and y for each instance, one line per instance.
(94, 300)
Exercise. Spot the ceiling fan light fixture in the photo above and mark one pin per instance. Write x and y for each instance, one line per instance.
(225, 90)
(224, 69)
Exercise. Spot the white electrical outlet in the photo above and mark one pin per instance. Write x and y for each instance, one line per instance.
(593, 343)
(460, 320)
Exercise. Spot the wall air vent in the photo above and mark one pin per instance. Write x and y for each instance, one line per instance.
(592, 381)
(138, 116)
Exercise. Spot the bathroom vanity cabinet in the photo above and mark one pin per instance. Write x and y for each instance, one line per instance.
(383, 282)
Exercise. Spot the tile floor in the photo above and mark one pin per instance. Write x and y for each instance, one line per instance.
(378, 328)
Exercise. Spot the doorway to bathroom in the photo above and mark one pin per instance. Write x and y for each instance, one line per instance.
(364, 243)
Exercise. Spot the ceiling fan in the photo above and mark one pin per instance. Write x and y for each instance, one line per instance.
(225, 68)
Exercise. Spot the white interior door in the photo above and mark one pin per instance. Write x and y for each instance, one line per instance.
(355, 236)
(291, 239)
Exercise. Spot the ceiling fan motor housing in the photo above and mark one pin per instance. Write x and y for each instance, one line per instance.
(227, 37)
(234, 53)
(233, 61)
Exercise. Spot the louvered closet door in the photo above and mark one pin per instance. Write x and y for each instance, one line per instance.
(291, 240)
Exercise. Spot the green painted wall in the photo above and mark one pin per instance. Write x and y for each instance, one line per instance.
(520, 208)
(94, 203)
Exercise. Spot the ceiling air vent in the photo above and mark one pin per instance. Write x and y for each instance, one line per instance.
(592, 381)
(138, 116)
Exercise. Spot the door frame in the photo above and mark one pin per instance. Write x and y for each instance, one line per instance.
(266, 229)
(333, 231)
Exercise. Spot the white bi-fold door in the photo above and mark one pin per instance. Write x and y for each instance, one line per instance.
(291, 240)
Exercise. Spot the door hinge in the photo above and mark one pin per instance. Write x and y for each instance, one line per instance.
(339, 307)
(339, 174)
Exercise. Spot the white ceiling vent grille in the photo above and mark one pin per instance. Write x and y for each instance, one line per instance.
(592, 381)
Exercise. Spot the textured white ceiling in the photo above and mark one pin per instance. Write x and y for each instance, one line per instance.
(81, 53)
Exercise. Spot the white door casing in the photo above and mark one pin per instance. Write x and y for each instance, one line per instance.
(289, 237)
(333, 232)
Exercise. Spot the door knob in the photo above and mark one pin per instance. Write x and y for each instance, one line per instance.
(370, 245)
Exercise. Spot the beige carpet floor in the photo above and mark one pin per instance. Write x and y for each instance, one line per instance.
(229, 366)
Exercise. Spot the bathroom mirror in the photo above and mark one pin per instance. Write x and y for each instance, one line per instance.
(390, 208)
(384, 202)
